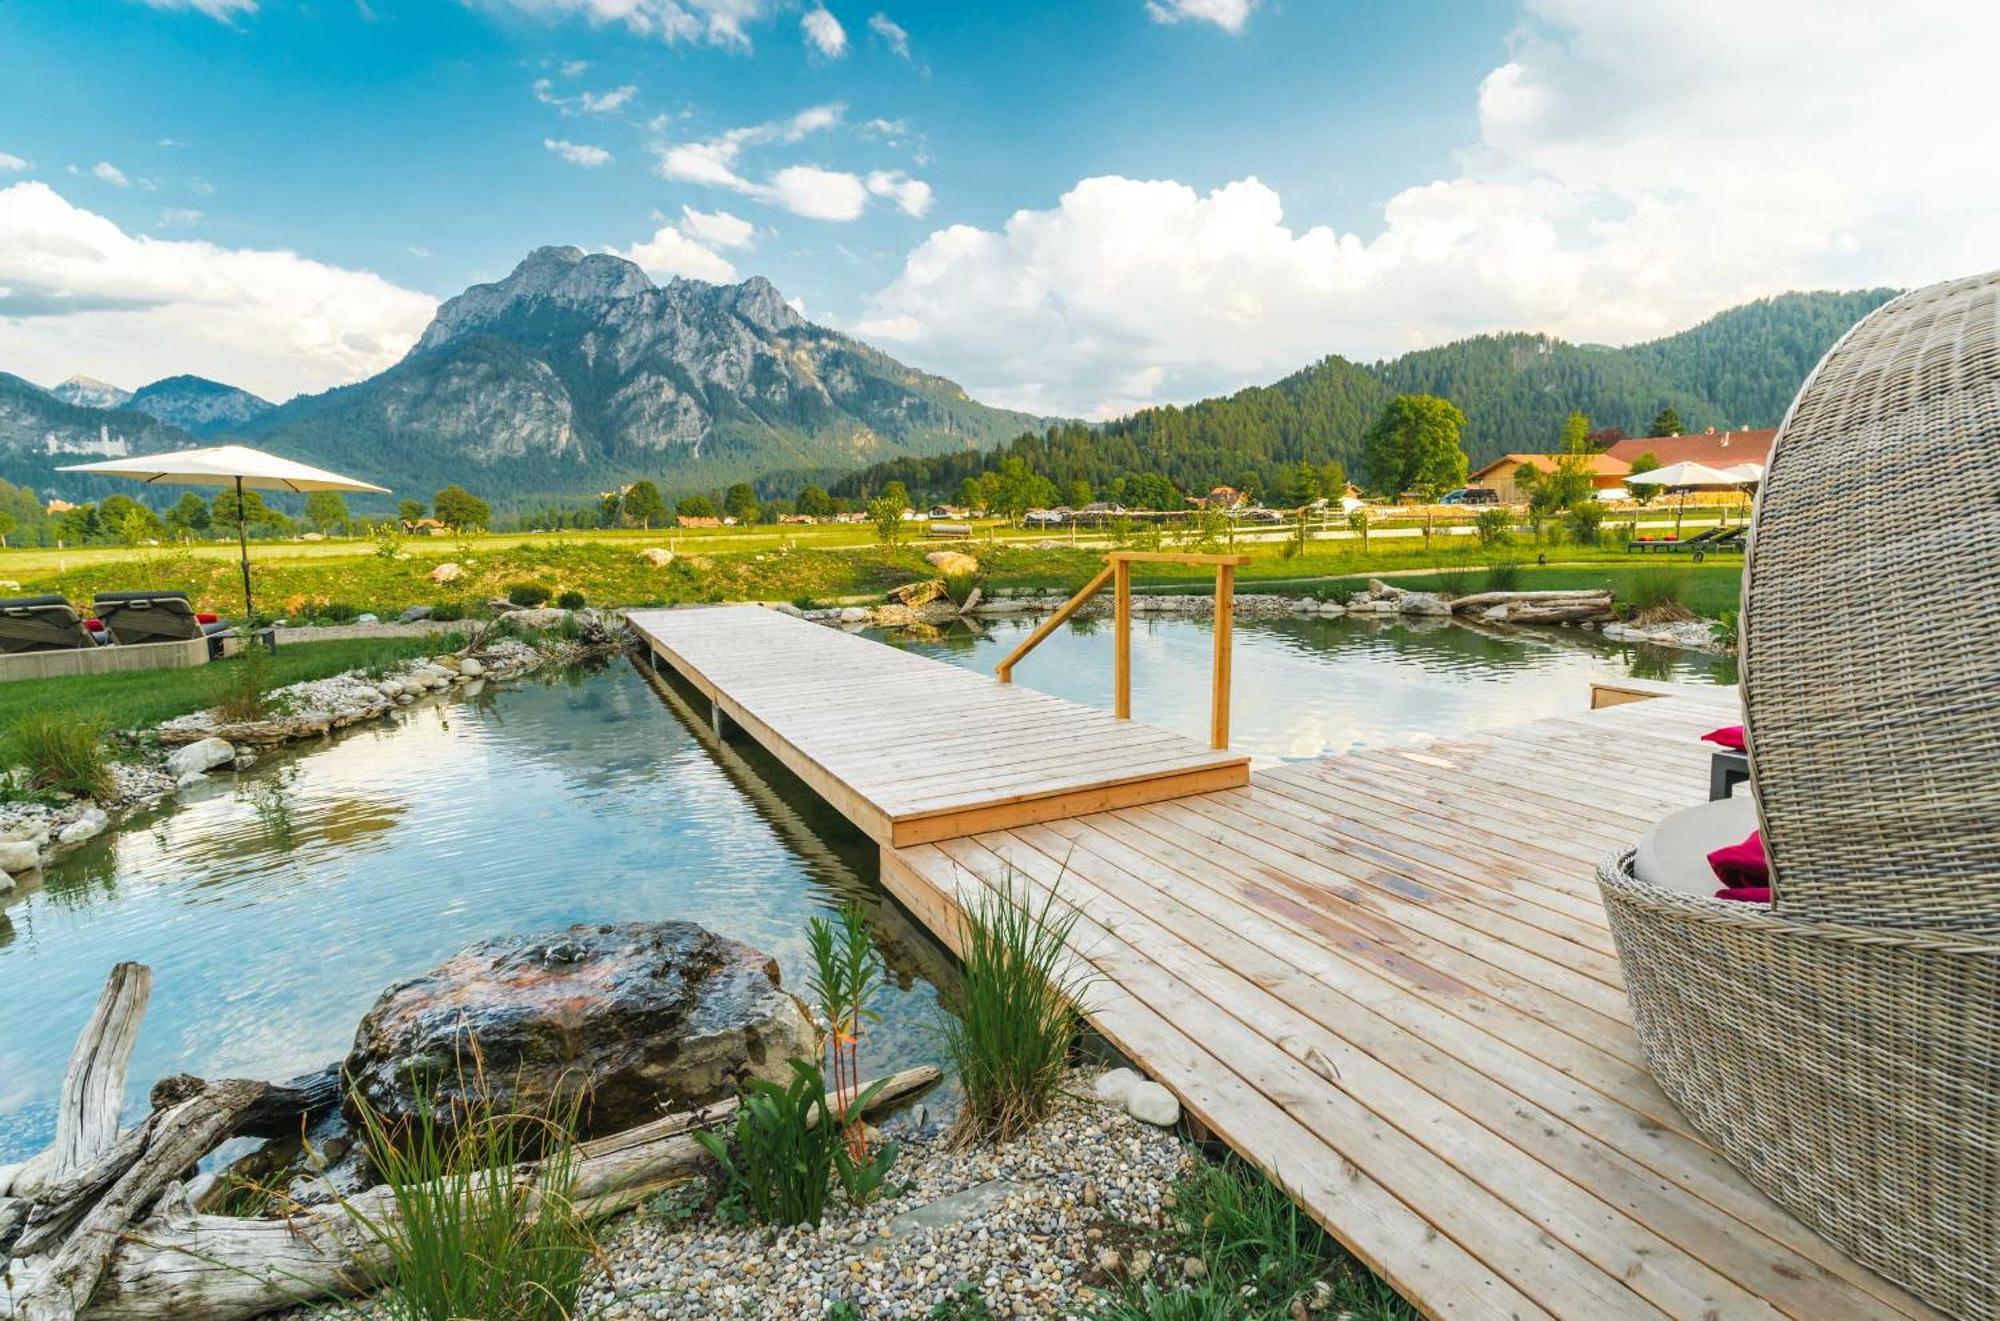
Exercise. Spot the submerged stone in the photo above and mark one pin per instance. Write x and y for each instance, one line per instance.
(642, 1018)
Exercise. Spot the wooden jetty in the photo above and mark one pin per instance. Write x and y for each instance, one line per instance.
(1384, 977)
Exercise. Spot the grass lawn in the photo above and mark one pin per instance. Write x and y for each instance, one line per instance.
(146, 697)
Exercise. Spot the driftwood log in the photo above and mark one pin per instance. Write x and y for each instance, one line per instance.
(101, 1228)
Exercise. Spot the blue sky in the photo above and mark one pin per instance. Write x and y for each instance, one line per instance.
(1080, 207)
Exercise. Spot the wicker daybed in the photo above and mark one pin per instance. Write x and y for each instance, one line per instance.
(1842, 1045)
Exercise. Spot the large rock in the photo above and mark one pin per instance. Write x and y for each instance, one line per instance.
(952, 563)
(19, 855)
(446, 572)
(648, 1016)
(657, 556)
(917, 594)
(198, 757)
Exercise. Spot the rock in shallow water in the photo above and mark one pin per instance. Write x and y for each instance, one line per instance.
(197, 757)
(648, 1016)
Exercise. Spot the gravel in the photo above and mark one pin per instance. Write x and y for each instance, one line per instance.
(1087, 1177)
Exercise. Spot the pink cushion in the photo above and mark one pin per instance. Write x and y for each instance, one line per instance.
(1741, 865)
(94, 625)
(1746, 894)
(1729, 736)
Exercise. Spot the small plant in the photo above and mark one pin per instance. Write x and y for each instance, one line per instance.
(61, 753)
(778, 1163)
(847, 972)
(242, 691)
(571, 600)
(1726, 628)
(526, 595)
(448, 612)
(1658, 598)
(1452, 579)
(1357, 523)
(1495, 527)
(1017, 1018)
(389, 541)
(964, 1303)
(959, 587)
(1502, 577)
(472, 1235)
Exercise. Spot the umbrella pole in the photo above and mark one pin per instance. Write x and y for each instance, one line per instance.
(243, 545)
(1679, 509)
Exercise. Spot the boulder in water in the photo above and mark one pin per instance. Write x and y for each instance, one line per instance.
(647, 1017)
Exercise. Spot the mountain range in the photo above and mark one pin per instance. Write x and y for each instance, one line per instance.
(577, 373)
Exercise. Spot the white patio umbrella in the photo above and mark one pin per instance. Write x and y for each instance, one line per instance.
(1684, 477)
(228, 465)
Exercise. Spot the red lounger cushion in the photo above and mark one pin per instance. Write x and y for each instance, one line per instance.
(206, 617)
(1729, 736)
(1742, 868)
(1746, 894)
(94, 625)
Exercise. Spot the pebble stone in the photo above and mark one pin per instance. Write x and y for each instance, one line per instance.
(1087, 1168)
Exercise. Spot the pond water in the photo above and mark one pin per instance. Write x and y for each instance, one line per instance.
(275, 905)
(1307, 688)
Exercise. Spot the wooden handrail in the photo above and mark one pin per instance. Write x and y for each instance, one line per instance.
(1118, 570)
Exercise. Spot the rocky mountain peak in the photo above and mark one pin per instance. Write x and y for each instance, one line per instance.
(547, 278)
(89, 392)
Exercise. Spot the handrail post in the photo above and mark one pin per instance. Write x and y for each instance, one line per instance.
(1121, 681)
(1225, 622)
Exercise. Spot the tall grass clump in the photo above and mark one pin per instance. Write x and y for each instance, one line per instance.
(60, 752)
(1658, 597)
(1502, 577)
(470, 1235)
(243, 684)
(1265, 1259)
(1017, 1014)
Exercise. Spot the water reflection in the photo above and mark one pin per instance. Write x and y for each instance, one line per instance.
(1307, 686)
(275, 905)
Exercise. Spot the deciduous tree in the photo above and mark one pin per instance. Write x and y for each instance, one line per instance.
(1414, 446)
(459, 509)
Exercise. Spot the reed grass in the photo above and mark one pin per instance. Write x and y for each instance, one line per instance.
(472, 1234)
(1658, 598)
(61, 752)
(1017, 1011)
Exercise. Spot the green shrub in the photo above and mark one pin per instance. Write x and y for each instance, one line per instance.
(448, 612)
(1502, 577)
(1494, 526)
(1017, 1016)
(1582, 521)
(469, 1238)
(1726, 628)
(779, 1161)
(958, 587)
(571, 600)
(332, 612)
(527, 595)
(61, 753)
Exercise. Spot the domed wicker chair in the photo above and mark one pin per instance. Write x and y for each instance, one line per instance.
(1842, 1046)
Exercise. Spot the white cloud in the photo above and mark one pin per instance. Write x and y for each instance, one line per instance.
(110, 174)
(584, 102)
(717, 228)
(670, 252)
(1229, 15)
(77, 293)
(891, 32)
(179, 215)
(220, 10)
(1735, 161)
(9, 161)
(824, 33)
(912, 195)
(805, 190)
(716, 22)
(575, 68)
(578, 153)
(818, 194)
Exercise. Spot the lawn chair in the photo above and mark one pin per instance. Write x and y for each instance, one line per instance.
(1840, 1043)
(136, 617)
(41, 623)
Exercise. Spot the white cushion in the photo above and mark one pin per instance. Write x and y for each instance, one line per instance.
(1674, 853)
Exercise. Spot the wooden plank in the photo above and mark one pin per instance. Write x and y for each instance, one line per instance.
(1225, 620)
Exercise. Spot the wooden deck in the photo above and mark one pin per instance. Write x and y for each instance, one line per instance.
(1386, 978)
(911, 750)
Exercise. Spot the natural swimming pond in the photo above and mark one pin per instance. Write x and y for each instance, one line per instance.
(275, 905)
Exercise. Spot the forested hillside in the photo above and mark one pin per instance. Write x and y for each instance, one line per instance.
(1738, 369)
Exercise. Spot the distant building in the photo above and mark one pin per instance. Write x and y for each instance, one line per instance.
(1222, 498)
(57, 506)
(1717, 449)
(806, 519)
(687, 520)
(424, 527)
(1606, 473)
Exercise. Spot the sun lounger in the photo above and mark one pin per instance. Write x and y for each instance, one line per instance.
(135, 617)
(41, 623)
